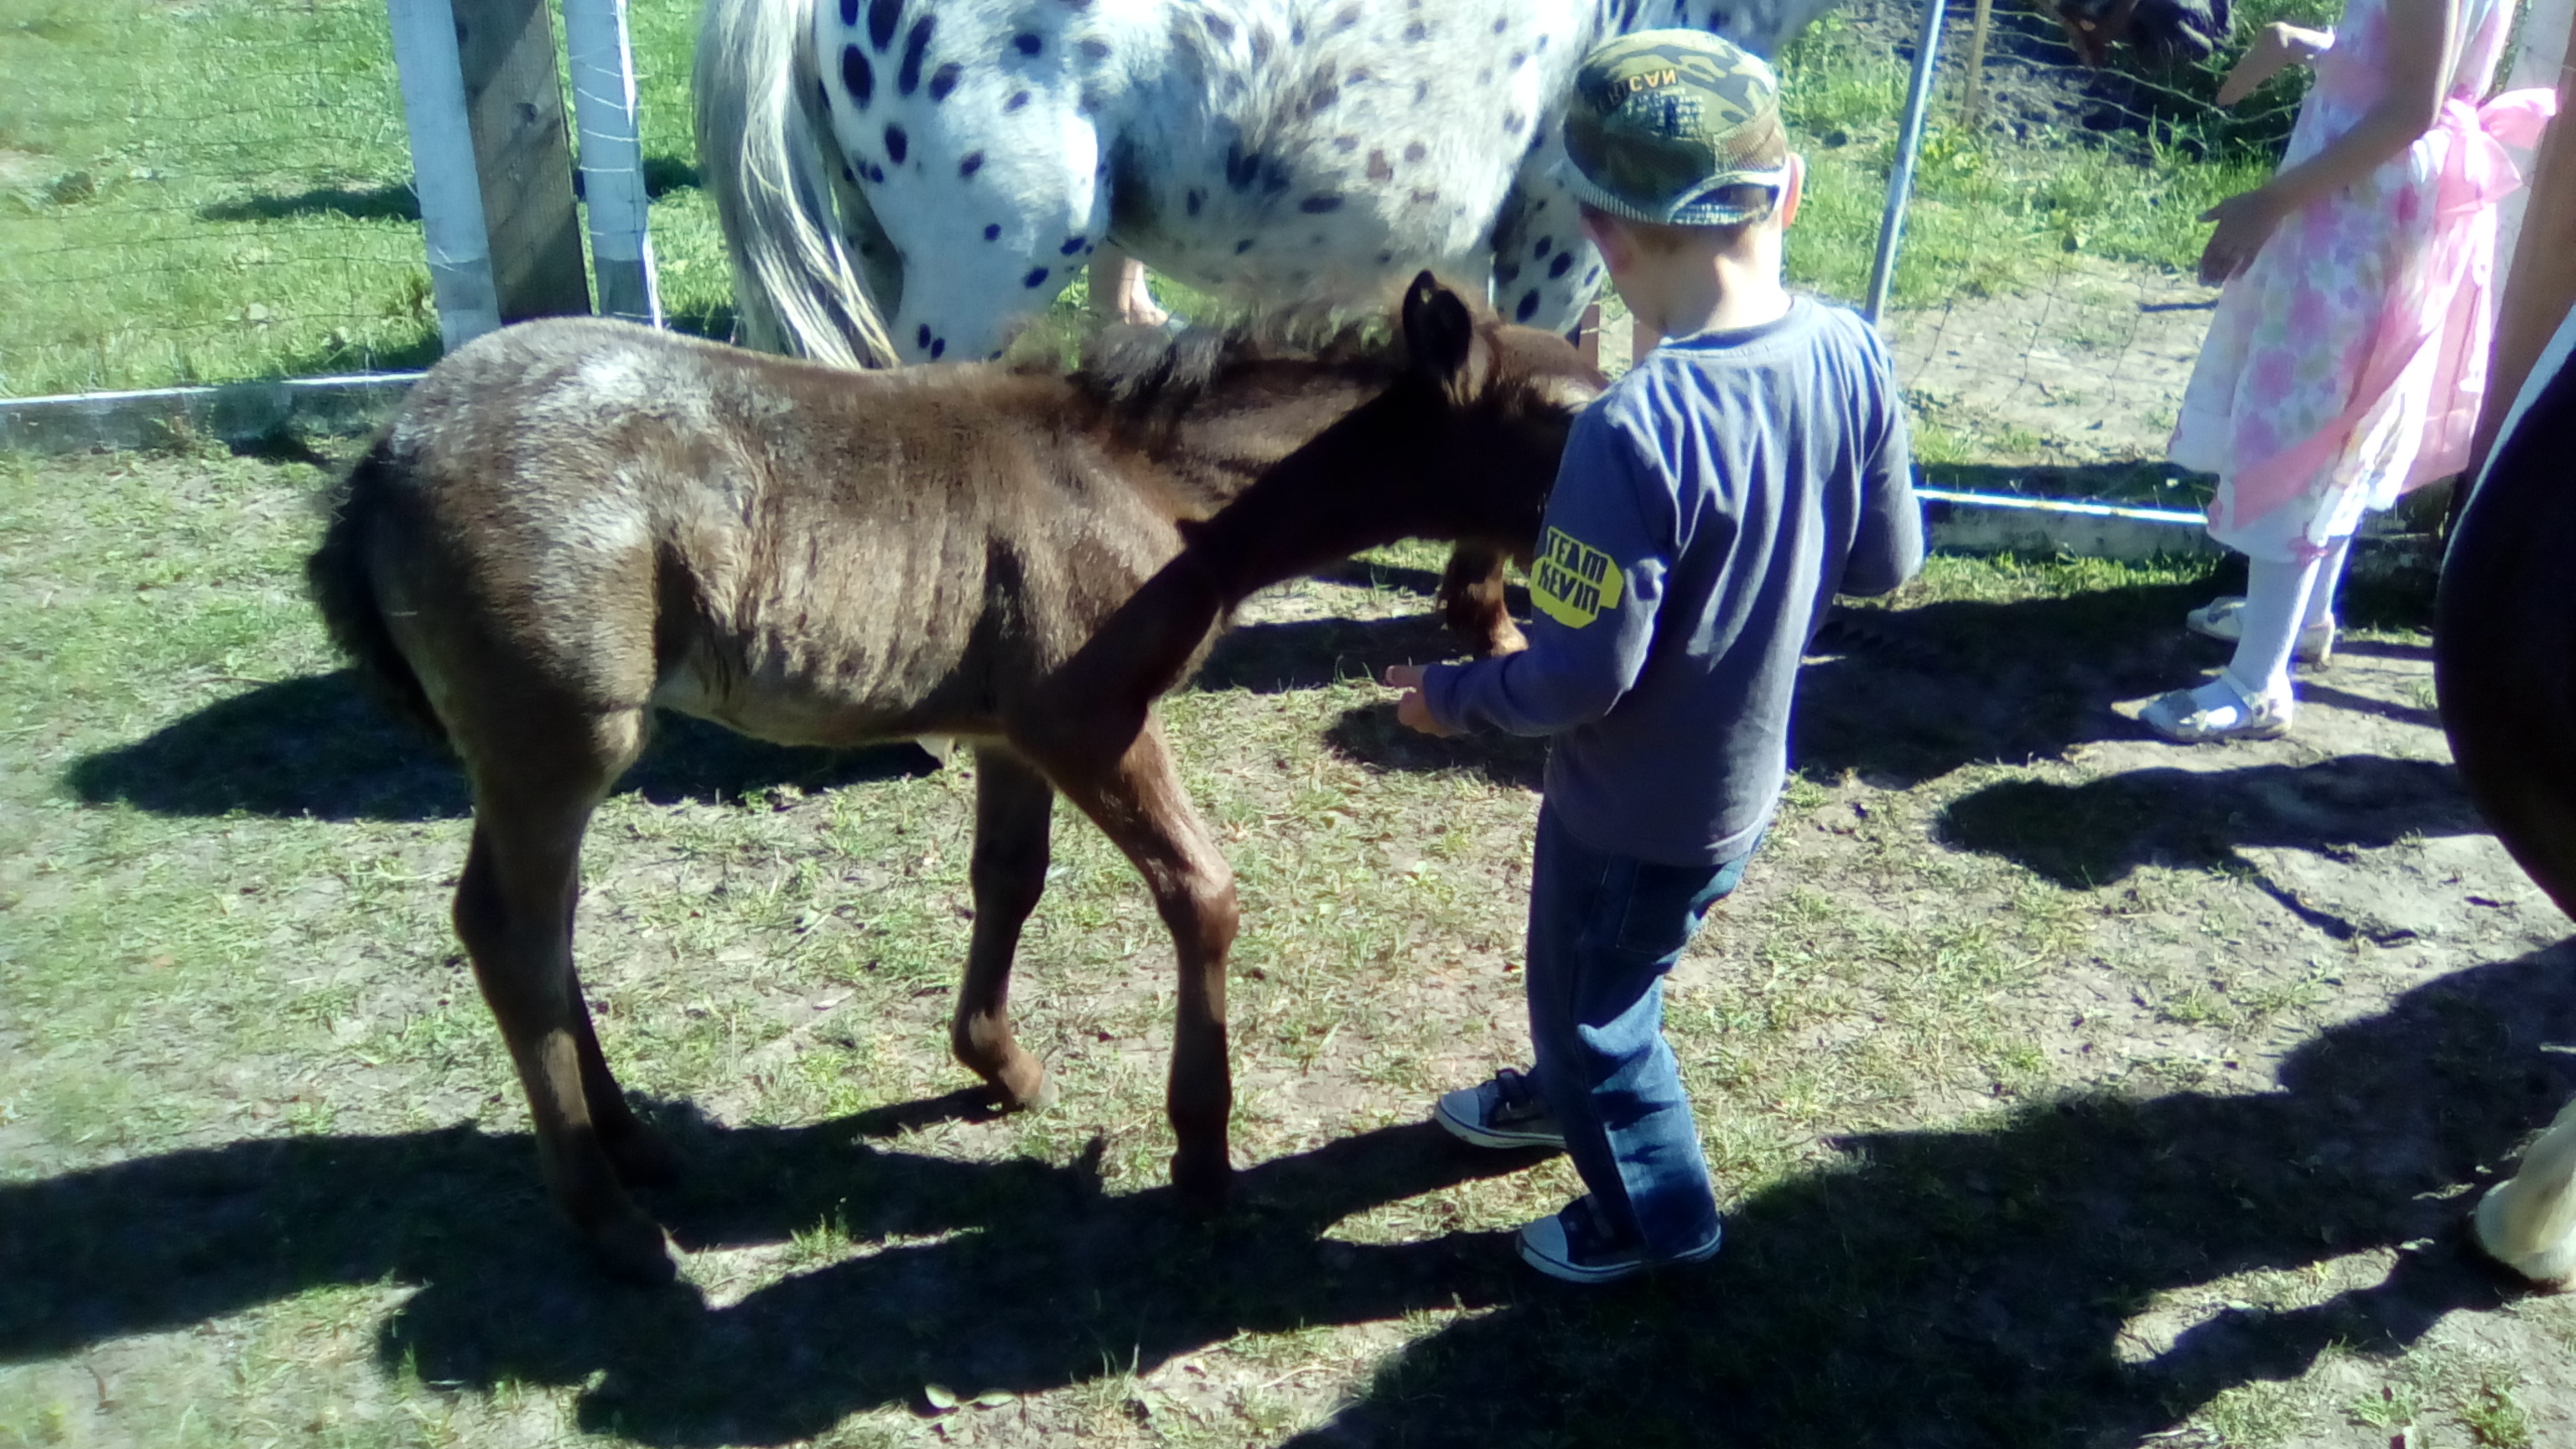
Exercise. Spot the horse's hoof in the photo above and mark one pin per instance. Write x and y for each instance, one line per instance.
(1202, 1184)
(2498, 1234)
(1024, 1086)
(633, 1249)
(641, 1157)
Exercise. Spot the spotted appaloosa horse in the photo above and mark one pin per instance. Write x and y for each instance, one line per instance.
(903, 180)
(572, 523)
(2504, 661)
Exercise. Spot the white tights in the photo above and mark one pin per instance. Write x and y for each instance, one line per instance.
(2281, 600)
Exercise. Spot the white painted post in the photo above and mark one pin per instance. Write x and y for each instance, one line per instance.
(612, 158)
(2536, 63)
(1900, 178)
(442, 164)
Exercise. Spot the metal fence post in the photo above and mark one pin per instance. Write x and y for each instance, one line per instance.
(612, 159)
(1900, 179)
(442, 162)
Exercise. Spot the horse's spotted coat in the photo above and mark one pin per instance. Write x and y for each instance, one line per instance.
(1264, 148)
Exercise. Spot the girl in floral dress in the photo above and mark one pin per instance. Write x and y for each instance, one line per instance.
(2347, 357)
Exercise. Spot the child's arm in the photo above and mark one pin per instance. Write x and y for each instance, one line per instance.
(2277, 47)
(1597, 583)
(2420, 58)
(1887, 547)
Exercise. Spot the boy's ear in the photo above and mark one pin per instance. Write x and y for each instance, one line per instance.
(1439, 333)
(1795, 189)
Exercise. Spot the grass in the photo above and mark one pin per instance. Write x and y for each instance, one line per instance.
(210, 191)
(263, 1174)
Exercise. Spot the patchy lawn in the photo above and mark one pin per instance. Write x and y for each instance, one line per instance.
(2067, 1088)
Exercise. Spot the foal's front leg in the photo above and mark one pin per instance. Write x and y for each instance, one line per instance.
(1014, 809)
(1139, 803)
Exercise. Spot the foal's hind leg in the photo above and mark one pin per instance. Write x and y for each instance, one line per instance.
(1138, 802)
(1014, 806)
(1471, 600)
(514, 910)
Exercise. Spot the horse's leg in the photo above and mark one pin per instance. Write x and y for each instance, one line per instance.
(1118, 289)
(2529, 1223)
(514, 910)
(1471, 599)
(1139, 804)
(1014, 806)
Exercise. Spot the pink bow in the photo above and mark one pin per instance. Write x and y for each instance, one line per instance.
(2471, 173)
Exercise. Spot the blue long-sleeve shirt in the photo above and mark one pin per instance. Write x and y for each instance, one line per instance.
(1710, 505)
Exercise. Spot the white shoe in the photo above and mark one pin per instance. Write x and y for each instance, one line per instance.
(2214, 712)
(2218, 620)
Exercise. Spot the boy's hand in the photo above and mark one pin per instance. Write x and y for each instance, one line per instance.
(1412, 711)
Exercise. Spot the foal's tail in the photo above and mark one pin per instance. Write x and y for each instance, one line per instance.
(346, 593)
(762, 155)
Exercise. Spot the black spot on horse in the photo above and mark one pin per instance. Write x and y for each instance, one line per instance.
(1034, 278)
(849, 175)
(1017, 100)
(1027, 44)
(1721, 21)
(850, 13)
(1563, 261)
(1528, 307)
(1415, 30)
(1242, 168)
(883, 17)
(1262, 45)
(993, 231)
(938, 345)
(1071, 245)
(1274, 176)
(1349, 17)
(876, 173)
(1421, 92)
(969, 164)
(1415, 150)
(1243, 246)
(1543, 247)
(1379, 168)
(1359, 75)
(922, 338)
(1542, 42)
(1385, 257)
(857, 75)
(915, 46)
(897, 143)
(1297, 33)
(1424, 196)
(1346, 143)
(1502, 24)
(1506, 273)
(1197, 198)
(1219, 27)
(944, 80)
(1095, 50)
(1628, 17)
(1318, 205)
(1591, 275)
(1519, 58)
(1512, 122)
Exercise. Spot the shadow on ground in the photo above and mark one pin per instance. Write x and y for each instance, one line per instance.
(2095, 833)
(1940, 1288)
(319, 746)
(1898, 695)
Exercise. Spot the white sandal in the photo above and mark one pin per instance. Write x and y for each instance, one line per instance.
(2218, 620)
(2186, 720)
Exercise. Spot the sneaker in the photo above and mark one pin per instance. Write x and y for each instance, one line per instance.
(1505, 1112)
(2218, 620)
(2192, 717)
(1573, 1248)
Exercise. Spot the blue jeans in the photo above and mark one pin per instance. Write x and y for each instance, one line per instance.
(1603, 931)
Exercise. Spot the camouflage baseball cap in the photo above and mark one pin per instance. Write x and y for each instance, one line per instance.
(1665, 124)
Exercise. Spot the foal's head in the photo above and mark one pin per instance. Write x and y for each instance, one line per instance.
(1461, 443)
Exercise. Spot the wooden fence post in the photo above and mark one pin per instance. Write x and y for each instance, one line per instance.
(515, 104)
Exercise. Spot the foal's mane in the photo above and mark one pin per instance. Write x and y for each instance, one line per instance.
(1145, 372)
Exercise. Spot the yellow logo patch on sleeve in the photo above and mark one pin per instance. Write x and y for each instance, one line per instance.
(1573, 581)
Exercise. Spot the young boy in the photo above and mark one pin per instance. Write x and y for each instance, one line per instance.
(1710, 504)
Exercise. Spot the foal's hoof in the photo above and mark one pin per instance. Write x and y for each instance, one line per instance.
(1023, 1086)
(1202, 1184)
(633, 1249)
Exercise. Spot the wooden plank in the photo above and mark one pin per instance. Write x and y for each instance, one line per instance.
(2540, 285)
(523, 155)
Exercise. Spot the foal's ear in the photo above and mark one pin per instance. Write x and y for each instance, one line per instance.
(1439, 334)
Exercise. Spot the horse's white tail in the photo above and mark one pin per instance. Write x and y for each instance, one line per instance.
(761, 155)
(2529, 1223)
